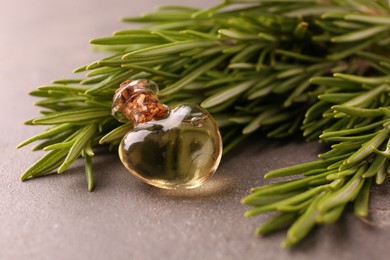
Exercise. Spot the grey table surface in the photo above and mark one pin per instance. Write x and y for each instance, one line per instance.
(55, 217)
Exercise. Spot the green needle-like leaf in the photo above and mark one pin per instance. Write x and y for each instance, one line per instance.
(330, 216)
(355, 130)
(377, 163)
(74, 152)
(366, 80)
(361, 202)
(89, 173)
(301, 168)
(304, 196)
(169, 48)
(227, 94)
(347, 193)
(368, 19)
(46, 164)
(281, 221)
(128, 39)
(368, 147)
(360, 35)
(116, 134)
(303, 225)
(190, 77)
(355, 111)
(48, 133)
(78, 115)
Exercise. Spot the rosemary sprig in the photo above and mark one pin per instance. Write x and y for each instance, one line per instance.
(342, 175)
(320, 67)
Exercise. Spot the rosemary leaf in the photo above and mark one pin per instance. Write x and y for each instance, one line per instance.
(89, 173)
(72, 116)
(83, 137)
(48, 133)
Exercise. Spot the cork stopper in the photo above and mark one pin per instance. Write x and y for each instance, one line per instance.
(136, 101)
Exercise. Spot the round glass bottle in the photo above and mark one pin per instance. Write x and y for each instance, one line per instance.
(171, 148)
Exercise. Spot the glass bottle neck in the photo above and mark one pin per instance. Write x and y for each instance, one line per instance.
(143, 107)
